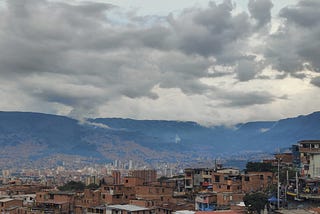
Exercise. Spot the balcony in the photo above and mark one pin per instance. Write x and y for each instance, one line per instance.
(309, 150)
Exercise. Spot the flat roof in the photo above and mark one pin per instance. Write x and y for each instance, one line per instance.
(309, 141)
(6, 199)
(127, 207)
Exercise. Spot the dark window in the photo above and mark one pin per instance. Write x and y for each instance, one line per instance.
(217, 178)
(228, 186)
(261, 177)
(247, 178)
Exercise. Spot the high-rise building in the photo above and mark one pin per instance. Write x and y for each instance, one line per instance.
(130, 164)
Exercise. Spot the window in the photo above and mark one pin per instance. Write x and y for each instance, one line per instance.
(127, 181)
(261, 177)
(228, 186)
(51, 196)
(216, 178)
(247, 178)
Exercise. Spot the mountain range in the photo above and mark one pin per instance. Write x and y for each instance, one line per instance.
(26, 136)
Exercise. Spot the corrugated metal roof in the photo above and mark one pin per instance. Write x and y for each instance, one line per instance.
(6, 199)
(127, 207)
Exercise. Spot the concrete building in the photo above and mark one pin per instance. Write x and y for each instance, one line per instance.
(310, 158)
(206, 201)
(197, 177)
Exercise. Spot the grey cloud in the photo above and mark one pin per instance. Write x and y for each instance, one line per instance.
(296, 46)
(208, 32)
(260, 10)
(246, 70)
(305, 13)
(244, 99)
(77, 56)
(316, 81)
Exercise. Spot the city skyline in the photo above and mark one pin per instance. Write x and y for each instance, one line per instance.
(220, 62)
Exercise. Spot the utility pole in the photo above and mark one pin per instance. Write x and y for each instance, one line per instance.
(285, 192)
(278, 185)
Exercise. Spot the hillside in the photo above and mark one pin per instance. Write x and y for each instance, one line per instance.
(31, 136)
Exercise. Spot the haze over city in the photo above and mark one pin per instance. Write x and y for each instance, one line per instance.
(218, 62)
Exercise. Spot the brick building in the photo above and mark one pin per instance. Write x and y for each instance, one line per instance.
(148, 175)
(9, 205)
(257, 181)
(57, 202)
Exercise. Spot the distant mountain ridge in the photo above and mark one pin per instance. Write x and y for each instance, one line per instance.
(144, 140)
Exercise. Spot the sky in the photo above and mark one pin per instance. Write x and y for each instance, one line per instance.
(213, 62)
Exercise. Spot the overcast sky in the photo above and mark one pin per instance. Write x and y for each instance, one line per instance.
(218, 62)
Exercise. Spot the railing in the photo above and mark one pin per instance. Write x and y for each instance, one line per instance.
(309, 150)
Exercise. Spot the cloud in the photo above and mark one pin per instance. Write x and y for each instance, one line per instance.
(260, 11)
(246, 70)
(295, 47)
(210, 32)
(316, 81)
(80, 58)
(238, 99)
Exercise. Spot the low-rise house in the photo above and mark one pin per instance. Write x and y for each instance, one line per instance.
(128, 209)
(206, 201)
(257, 181)
(9, 205)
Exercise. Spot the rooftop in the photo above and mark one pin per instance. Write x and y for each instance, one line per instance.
(127, 207)
(6, 199)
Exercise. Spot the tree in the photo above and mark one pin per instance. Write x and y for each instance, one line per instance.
(73, 186)
(93, 186)
(255, 201)
(259, 167)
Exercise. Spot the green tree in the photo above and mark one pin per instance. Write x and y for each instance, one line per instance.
(93, 186)
(73, 186)
(255, 202)
(259, 167)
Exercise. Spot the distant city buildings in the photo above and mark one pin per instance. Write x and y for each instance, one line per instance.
(130, 188)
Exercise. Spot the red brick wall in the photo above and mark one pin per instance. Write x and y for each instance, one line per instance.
(256, 181)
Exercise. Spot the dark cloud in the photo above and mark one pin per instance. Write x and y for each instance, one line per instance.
(246, 70)
(86, 55)
(295, 46)
(305, 13)
(316, 81)
(260, 11)
(245, 99)
(211, 31)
